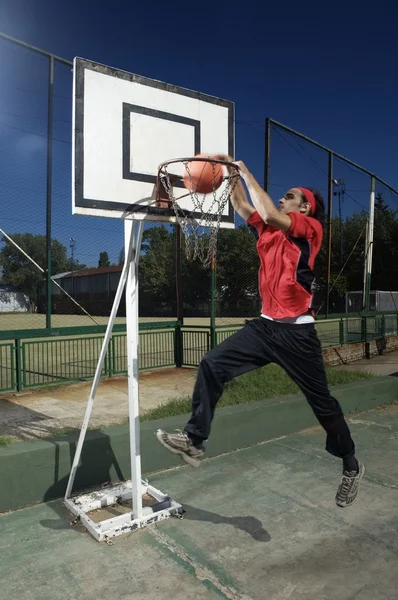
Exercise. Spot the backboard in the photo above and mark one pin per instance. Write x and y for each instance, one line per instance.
(124, 126)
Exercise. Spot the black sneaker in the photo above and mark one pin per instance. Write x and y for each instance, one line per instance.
(179, 443)
(348, 489)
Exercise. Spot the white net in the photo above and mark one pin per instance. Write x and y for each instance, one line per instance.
(201, 223)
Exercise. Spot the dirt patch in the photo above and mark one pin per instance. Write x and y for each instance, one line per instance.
(38, 413)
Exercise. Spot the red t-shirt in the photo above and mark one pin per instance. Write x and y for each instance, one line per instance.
(286, 277)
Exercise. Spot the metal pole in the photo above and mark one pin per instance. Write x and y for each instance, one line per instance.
(129, 254)
(365, 264)
(339, 156)
(133, 230)
(267, 158)
(49, 187)
(13, 40)
(178, 339)
(369, 249)
(178, 256)
(329, 230)
(213, 341)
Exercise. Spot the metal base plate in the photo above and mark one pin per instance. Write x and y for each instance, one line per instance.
(114, 503)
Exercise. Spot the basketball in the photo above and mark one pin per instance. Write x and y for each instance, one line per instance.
(202, 177)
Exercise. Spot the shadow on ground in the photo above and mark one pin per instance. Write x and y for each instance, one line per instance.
(250, 525)
(23, 423)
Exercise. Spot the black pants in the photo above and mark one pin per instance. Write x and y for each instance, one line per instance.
(296, 348)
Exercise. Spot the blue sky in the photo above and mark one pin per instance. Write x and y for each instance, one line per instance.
(327, 70)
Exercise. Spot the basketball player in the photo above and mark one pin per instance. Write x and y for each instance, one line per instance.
(289, 240)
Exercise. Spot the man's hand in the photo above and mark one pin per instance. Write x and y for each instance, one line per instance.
(238, 197)
(244, 171)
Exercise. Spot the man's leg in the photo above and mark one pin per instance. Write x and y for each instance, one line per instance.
(247, 349)
(299, 352)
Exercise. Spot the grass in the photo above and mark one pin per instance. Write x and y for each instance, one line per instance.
(268, 382)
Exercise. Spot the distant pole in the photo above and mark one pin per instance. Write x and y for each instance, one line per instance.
(329, 230)
(72, 251)
(49, 187)
(72, 243)
(339, 183)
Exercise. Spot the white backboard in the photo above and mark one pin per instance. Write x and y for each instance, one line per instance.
(125, 125)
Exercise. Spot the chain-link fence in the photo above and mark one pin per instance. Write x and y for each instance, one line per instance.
(85, 255)
(360, 241)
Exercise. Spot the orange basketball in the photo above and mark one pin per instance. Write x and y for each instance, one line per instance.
(202, 177)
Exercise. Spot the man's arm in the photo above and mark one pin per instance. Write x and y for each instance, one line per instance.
(239, 199)
(262, 201)
(240, 202)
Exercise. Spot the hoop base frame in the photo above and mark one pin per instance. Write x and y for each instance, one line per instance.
(81, 506)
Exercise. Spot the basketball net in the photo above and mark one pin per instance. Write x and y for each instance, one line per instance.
(200, 224)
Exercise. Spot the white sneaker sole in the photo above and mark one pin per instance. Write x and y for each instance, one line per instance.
(192, 462)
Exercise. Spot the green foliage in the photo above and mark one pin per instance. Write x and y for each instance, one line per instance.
(75, 265)
(103, 260)
(237, 266)
(157, 264)
(268, 382)
(237, 271)
(347, 271)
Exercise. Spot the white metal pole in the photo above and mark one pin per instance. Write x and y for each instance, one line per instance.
(369, 253)
(132, 328)
(122, 282)
(365, 264)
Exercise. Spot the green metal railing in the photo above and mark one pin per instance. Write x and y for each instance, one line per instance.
(39, 362)
(33, 363)
(195, 343)
(350, 330)
(7, 367)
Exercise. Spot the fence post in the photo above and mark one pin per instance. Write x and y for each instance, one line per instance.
(178, 345)
(49, 188)
(109, 359)
(213, 342)
(364, 328)
(341, 332)
(18, 366)
(329, 230)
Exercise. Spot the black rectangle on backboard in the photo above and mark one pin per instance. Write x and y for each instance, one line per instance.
(128, 109)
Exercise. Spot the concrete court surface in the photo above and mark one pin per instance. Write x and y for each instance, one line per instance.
(260, 524)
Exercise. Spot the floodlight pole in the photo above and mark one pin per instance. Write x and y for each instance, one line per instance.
(369, 248)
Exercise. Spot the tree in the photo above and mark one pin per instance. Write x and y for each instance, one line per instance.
(103, 260)
(75, 265)
(385, 247)
(19, 271)
(121, 258)
(349, 275)
(237, 272)
(157, 268)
